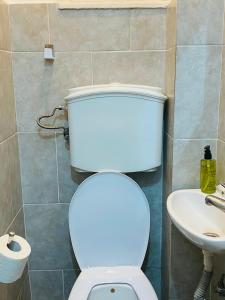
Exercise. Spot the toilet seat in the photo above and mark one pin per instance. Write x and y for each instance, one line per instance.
(133, 276)
(109, 221)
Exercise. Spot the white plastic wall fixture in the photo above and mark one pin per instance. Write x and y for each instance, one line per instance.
(115, 127)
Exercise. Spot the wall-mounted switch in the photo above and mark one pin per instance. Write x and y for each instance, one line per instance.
(49, 54)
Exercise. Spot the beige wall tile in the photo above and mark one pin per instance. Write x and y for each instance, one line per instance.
(220, 161)
(29, 27)
(222, 101)
(197, 92)
(171, 24)
(130, 67)
(186, 162)
(5, 195)
(4, 27)
(14, 168)
(167, 164)
(170, 89)
(200, 22)
(89, 29)
(148, 29)
(7, 106)
(39, 87)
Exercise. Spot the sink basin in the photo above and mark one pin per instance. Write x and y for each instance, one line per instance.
(203, 225)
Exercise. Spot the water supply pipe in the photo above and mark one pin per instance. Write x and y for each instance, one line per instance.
(203, 286)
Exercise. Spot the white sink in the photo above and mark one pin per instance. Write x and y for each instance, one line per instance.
(196, 220)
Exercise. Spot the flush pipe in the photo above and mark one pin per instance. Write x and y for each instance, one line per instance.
(201, 291)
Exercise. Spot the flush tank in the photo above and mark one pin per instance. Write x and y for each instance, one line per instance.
(115, 127)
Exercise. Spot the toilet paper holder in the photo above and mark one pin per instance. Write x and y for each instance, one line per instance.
(11, 236)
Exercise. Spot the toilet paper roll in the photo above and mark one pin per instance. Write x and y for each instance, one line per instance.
(13, 258)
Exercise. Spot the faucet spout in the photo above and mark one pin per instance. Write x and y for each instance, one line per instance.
(215, 201)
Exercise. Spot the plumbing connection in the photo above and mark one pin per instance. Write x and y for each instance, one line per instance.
(203, 286)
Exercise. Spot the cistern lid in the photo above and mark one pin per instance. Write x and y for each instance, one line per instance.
(109, 221)
(80, 93)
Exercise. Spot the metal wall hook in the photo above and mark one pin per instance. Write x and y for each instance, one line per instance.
(11, 236)
(65, 129)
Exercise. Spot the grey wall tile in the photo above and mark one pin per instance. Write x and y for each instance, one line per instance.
(7, 106)
(220, 161)
(222, 101)
(46, 285)
(69, 278)
(186, 266)
(89, 29)
(154, 275)
(148, 29)
(38, 97)
(69, 178)
(29, 27)
(38, 168)
(186, 162)
(130, 67)
(219, 269)
(200, 22)
(48, 234)
(197, 92)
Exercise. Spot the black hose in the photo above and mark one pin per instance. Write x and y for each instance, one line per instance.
(201, 291)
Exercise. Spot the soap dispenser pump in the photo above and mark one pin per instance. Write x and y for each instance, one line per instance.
(208, 172)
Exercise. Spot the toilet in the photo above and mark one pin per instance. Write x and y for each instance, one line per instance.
(114, 129)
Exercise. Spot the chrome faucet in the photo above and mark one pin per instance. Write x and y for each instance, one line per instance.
(215, 201)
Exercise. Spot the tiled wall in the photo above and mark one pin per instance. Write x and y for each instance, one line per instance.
(94, 46)
(219, 260)
(11, 210)
(195, 124)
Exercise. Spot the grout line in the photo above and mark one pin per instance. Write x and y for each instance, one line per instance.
(130, 34)
(98, 51)
(199, 45)
(48, 17)
(5, 51)
(63, 285)
(35, 132)
(220, 91)
(25, 229)
(57, 167)
(44, 204)
(31, 294)
(194, 139)
(92, 69)
(8, 138)
(221, 140)
(7, 229)
(50, 270)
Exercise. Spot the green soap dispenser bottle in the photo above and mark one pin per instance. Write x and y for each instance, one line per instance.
(208, 172)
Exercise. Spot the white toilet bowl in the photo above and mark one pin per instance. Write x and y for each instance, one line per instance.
(116, 283)
(109, 222)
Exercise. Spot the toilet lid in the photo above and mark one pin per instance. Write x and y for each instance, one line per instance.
(109, 221)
